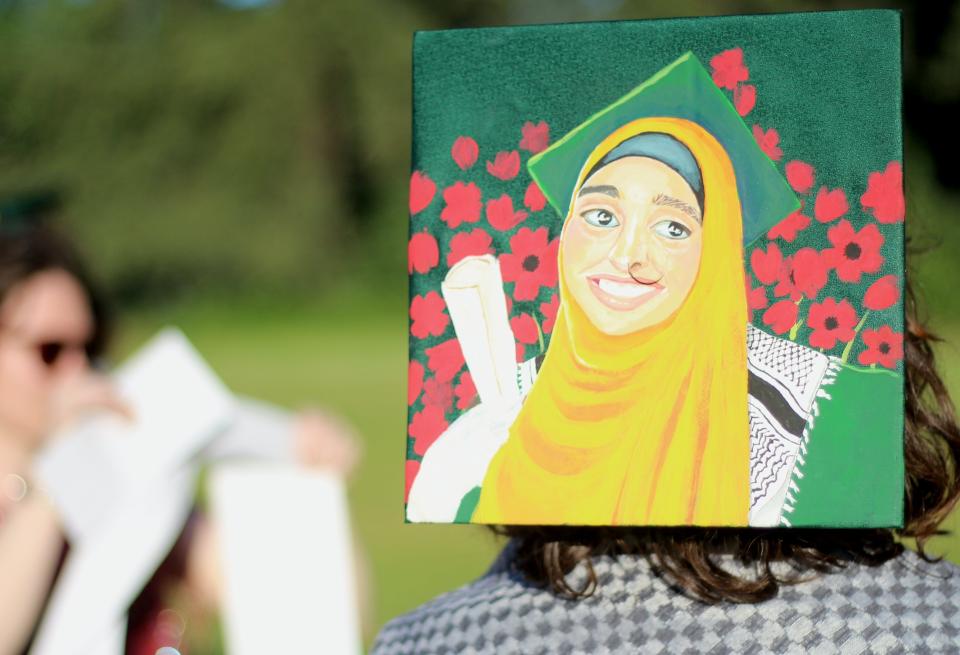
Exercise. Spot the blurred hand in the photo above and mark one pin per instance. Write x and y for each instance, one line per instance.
(74, 396)
(326, 442)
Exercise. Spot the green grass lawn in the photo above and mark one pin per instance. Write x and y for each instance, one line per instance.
(354, 362)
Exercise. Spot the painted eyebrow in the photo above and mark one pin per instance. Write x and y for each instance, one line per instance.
(605, 189)
(669, 201)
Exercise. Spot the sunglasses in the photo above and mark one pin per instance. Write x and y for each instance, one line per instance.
(50, 351)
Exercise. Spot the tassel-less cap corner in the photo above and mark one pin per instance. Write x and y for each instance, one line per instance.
(684, 89)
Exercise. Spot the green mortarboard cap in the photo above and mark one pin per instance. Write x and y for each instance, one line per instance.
(685, 90)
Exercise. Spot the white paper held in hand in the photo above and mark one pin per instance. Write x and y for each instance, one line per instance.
(288, 560)
(178, 401)
(179, 405)
(103, 574)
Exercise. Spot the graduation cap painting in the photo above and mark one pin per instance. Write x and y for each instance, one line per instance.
(600, 361)
(683, 90)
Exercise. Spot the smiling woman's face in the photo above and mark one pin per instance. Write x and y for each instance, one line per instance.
(631, 249)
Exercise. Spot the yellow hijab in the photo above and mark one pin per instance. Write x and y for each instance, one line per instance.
(648, 428)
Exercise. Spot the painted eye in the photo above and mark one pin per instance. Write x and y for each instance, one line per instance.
(600, 218)
(672, 230)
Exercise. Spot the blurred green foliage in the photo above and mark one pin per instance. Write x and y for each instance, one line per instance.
(200, 147)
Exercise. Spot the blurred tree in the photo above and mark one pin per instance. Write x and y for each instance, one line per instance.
(199, 146)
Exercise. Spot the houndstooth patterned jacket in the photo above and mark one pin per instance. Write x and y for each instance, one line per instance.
(903, 606)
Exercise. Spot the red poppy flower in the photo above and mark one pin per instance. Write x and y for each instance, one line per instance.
(744, 98)
(422, 253)
(756, 297)
(467, 244)
(788, 228)
(445, 359)
(854, 253)
(428, 316)
(549, 310)
(829, 205)
(463, 204)
(524, 329)
(535, 137)
(531, 264)
(414, 381)
(427, 424)
(534, 198)
(804, 273)
(501, 215)
(831, 321)
(768, 141)
(505, 165)
(422, 189)
(465, 391)
(521, 353)
(411, 468)
(800, 175)
(884, 347)
(884, 195)
(438, 394)
(728, 69)
(781, 316)
(464, 152)
(766, 265)
(882, 294)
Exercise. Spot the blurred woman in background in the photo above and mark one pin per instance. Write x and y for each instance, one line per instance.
(53, 333)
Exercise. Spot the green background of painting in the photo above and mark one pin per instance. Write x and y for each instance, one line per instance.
(829, 83)
(865, 449)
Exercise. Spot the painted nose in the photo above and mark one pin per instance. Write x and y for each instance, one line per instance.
(631, 249)
(633, 254)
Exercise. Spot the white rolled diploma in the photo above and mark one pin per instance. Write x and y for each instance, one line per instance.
(473, 291)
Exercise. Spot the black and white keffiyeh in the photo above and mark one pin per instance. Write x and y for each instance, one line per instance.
(785, 381)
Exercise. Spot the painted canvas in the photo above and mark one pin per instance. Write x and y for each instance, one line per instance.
(656, 273)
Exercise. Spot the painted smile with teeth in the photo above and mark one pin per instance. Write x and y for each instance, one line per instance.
(622, 293)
